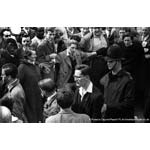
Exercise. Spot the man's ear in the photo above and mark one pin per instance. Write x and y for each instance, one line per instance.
(9, 77)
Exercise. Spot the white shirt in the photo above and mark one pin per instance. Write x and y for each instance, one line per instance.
(83, 91)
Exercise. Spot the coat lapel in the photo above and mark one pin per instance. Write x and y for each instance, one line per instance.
(67, 59)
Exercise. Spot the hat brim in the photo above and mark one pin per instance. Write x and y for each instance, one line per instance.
(112, 59)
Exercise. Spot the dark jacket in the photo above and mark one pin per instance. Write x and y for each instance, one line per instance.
(61, 46)
(29, 76)
(134, 62)
(91, 104)
(119, 95)
(66, 68)
(6, 57)
(17, 95)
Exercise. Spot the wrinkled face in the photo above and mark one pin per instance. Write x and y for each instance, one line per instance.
(26, 41)
(97, 31)
(127, 41)
(111, 64)
(6, 35)
(79, 79)
(5, 79)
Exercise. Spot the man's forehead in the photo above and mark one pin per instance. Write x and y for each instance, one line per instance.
(26, 38)
(73, 45)
(77, 73)
(6, 32)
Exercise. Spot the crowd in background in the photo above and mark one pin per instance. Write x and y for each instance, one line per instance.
(74, 74)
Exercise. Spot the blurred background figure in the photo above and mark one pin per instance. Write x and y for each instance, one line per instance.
(5, 115)
(38, 38)
(11, 53)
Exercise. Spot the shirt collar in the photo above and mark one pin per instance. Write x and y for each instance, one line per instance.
(68, 52)
(12, 84)
(65, 111)
(146, 37)
(89, 89)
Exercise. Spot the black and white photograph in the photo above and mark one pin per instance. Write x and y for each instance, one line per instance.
(74, 74)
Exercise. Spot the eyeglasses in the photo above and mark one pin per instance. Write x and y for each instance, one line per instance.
(26, 41)
(7, 35)
(77, 77)
(51, 34)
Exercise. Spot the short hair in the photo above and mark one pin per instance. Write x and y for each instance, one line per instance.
(10, 69)
(47, 84)
(72, 41)
(12, 41)
(40, 29)
(25, 35)
(85, 69)
(128, 35)
(65, 98)
(76, 38)
(51, 29)
(5, 115)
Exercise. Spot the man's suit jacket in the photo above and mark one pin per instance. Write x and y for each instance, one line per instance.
(17, 95)
(91, 104)
(68, 116)
(65, 70)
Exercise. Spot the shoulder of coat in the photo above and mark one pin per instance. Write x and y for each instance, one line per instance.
(104, 80)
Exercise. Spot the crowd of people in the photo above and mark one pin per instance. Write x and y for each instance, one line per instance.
(74, 74)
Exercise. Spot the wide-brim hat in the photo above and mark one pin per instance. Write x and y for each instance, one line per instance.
(114, 52)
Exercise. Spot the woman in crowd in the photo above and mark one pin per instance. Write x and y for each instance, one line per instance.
(29, 75)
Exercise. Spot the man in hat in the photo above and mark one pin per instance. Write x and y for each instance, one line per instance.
(95, 41)
(118, 89)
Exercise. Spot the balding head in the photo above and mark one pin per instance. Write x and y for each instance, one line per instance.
(5, 115)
